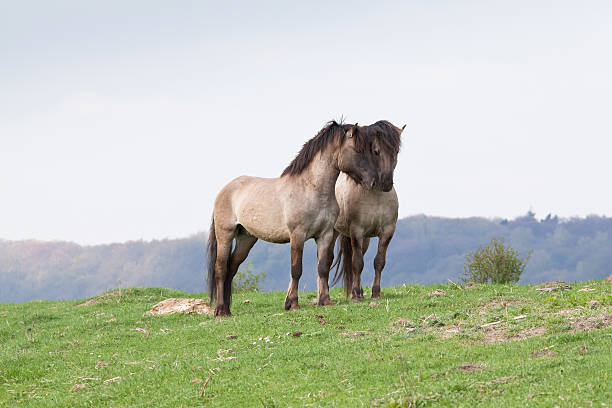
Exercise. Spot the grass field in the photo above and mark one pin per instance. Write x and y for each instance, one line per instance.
(443, 345)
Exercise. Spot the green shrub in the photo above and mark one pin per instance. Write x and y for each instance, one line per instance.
(246, 280)
(495, 263)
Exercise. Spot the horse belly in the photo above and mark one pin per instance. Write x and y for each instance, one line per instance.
(264, 220)
(270, 233)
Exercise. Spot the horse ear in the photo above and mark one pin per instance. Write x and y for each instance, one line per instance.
(403, 127)
(351, 131)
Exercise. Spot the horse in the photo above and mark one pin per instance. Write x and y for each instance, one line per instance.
(366, 213)
(298, 205)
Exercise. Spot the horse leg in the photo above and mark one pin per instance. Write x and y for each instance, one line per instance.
(325, 257)
(357, 263)
(224, 247)
(379, 262)
(364, 249)
(244, 243)
(297, 249)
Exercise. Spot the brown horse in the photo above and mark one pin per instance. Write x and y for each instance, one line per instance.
(367, 213)
(295, 207)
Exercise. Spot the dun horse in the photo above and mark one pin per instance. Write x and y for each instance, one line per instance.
(367, 213)
(295, 207)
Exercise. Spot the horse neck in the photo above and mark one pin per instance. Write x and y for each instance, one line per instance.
(323, 172)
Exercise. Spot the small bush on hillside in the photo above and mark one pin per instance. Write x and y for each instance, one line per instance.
(248, 281)
(495, 263)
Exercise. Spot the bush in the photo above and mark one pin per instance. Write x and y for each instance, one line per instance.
(246, 280)
(495, 263)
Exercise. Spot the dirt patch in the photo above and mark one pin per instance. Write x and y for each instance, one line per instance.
(569, 312)
(471, 367)
(404, 323)
(594, 304)
(532, 332)
(450, 331)
(90, 302)
(101, 364)
(181, 305)
(552, 286)
(608, 279)
(496, 334)
(586, 323)
(498, 303)
(546, 352)
(437, 292)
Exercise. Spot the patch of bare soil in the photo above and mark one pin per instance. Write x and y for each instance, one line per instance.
(569, 312)
(495, 334)
(532, 332)
(471, 367)
(437, 292)
(181, 305)
(90, 302)
(450, 331)
(608, 279)
(552, 286)
(497, 303)
(546, 352)
(404, 323)
(586, 323)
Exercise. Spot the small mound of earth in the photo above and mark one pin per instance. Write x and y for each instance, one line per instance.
(181, 305)
(497, 334)
(545, 352)
(555, 285)
(471, 367)
(585, 323)
(90, 302)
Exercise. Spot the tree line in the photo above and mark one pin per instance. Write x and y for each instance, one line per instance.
(424, 250)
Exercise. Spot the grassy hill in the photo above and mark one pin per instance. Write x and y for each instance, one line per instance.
(442, 345)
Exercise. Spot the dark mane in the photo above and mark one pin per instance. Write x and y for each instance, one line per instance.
(388, 136)
(332, 132)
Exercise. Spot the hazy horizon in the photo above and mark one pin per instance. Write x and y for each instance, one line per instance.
(122, 120)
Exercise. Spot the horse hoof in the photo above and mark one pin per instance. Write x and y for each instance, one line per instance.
(357, 298)
(291, 304)
(376, 292)
(222, 311)
(325, 301)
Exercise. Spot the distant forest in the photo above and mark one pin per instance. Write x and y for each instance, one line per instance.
(424, 250)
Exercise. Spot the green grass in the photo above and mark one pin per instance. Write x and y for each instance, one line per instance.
(407, 350)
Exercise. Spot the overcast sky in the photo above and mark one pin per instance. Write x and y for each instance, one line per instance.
(121, 120)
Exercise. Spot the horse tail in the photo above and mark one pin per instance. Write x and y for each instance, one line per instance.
(212, 260)
(344, 264)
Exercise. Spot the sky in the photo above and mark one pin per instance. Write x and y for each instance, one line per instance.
(121, 120)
